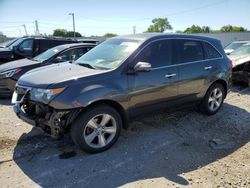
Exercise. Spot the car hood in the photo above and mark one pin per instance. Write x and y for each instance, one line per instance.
(239, 59)
(3, 49)
(56, 73)
(16, 64)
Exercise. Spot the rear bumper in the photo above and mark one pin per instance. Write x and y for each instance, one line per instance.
(7, 86)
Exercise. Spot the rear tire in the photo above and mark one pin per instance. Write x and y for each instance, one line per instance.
(97, 129)
(213, 100)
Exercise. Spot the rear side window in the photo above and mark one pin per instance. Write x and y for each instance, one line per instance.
(211, 51)
(46, 44)
(73, 54)
(188, 50)
(158, 54)
(26, 45)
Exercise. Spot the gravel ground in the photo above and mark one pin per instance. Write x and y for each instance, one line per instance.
(172, 149)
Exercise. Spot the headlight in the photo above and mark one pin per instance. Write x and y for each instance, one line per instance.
(10, 73)
(44, 95)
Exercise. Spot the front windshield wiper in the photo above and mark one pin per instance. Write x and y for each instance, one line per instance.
(86, 65)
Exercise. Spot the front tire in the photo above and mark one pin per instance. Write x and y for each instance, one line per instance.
(213, 99)
(97, 129)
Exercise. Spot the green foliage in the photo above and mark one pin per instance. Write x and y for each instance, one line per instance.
(159, 25)
(71, 34)
(65, 33)
(109, 35)
(60, 32)
(198, 29)
(230, 28)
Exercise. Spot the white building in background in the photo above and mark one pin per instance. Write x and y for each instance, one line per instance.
(227, 38)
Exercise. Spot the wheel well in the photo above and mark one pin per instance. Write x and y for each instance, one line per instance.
(114, 105)
(223, 83)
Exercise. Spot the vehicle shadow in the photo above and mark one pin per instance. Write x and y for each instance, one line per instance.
(164, 145)
(5, 101)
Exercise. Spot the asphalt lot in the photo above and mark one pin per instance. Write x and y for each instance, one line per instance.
(180, 148)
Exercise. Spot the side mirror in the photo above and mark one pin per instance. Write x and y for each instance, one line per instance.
(21, 49)
(142, 67)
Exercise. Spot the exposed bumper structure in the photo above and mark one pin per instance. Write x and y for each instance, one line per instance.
(51, 121)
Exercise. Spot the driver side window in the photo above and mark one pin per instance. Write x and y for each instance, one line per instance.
(158, 54)
(26, 45)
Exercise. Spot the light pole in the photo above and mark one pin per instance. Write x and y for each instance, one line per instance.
(24, 26)
(73, 16)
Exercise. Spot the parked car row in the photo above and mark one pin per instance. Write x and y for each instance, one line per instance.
(240, 56)
(10, 72)
(94, 97)
(29, 47)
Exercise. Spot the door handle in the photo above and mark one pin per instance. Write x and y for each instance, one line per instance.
(170, 75)
(208, 68)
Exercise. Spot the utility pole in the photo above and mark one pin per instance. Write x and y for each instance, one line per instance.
(20, 32)
(73, 16)
(37, 29)
(134, 29)
(24, 26)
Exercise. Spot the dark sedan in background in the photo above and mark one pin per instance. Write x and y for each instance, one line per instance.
(29, 47)
(12, 71)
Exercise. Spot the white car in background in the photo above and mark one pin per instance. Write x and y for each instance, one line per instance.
(241, 63)
(234, 45)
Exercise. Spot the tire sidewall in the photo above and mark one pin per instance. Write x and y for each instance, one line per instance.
(78, 127)
(205, 104)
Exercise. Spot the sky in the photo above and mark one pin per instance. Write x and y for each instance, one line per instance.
(97, 17)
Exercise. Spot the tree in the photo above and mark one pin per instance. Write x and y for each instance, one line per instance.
(206, 29)
(60, 32)
(65, 33)
(71, 34)
(193, 29)
(109, 35)
(230, 28)
(159, 25)
(198, 29)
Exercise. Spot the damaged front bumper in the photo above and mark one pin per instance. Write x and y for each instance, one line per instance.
(53, 122)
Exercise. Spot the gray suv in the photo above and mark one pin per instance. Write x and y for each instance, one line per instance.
(123, 77)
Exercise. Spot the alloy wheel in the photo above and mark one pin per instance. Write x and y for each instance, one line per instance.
(215, 99)
(100, 130)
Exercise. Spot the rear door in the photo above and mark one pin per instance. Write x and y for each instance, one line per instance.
(25, 49)
(190, 59)
(160, 83)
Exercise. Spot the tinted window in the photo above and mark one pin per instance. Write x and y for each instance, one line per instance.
(26, 45)
(47, 44)
(73, 54)
(158, 54)
(211, 51)
(188, 50)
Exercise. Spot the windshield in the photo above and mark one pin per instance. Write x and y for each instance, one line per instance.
(18, 41)
(234, 45)
(48, 54)
(109, 54)
(7, 43)
(243, 50)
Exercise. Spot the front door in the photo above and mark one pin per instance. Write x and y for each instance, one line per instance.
(160, 83)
